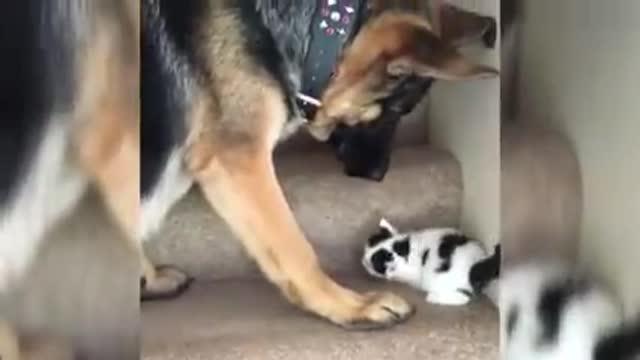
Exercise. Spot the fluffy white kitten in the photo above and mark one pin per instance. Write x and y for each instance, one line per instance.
(550, 312)
(450, 267)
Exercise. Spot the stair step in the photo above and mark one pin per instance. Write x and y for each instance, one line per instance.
(248, 319)
(338, 213)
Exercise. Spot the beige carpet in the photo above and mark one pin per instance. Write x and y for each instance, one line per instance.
(422, 188)
(231, 315)
(247, 319)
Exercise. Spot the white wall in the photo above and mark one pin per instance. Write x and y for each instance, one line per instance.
(580, 73)
(464, 118)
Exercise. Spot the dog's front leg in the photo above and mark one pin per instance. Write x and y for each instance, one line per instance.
(244, 190)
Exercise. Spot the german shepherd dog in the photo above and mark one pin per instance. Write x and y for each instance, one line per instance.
(218, 81)
(219, 86)
(69, 119)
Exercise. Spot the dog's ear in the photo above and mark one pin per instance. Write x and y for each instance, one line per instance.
(432, 57)
(458, 27)
(414, 49)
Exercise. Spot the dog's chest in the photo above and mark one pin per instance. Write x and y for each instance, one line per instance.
(173, 184)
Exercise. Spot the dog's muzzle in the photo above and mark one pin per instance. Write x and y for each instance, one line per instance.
(365, 149)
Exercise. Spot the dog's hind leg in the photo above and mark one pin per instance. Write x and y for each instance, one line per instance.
(108, 143)
(241, 185)
(112, 156)
(110, 152)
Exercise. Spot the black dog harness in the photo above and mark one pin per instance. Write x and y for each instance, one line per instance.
(334, 24)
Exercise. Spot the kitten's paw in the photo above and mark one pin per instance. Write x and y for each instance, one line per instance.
(452, 298)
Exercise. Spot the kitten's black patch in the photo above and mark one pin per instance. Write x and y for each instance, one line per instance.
(444, 266)
(485, 271)
(449, 243)
(552, 304)
(623, 344)
(379, 261)
(382, 235)
(512, 319)
(402, 247)
(466, 292)
(425, 257)
(447, 247)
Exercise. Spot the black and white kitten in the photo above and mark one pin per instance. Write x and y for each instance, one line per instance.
(449, 266)
(549, 312)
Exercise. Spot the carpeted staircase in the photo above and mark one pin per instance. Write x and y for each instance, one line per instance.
(232, 313)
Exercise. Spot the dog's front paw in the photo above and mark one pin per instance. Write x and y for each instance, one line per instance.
(379, 311)
(168, 282)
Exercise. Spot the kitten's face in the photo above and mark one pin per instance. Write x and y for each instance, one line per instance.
(441, 261)
(386, 255)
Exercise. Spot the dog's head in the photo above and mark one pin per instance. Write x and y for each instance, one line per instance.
(381, 76)
(386, 255)
(365, 149)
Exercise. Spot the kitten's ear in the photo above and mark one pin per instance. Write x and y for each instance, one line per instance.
(497, 251)
(385, 231)
(385, 225)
